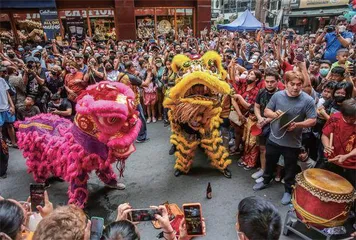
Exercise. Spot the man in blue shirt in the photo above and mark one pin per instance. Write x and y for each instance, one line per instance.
(339, 38)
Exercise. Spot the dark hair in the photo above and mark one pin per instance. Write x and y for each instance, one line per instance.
(345, 85)
(259, 219)
(128, 64)
(257, 73)
(11, 218)
(338, 70)
(272, 73)
(330, 85)
(342, 50)
(325, 62)
(121, 230)
(348, 108)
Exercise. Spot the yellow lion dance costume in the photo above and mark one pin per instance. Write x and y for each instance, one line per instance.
(195, 107)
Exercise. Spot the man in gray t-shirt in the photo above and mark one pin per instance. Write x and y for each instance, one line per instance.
(292, 110)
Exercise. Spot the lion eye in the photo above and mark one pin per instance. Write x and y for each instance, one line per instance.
(112, 120)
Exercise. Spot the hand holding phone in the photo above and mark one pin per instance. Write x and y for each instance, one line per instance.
(193, 219)
(37, 195)
(97, 227)
(144, 214)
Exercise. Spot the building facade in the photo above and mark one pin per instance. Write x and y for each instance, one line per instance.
(129, 19)
(309, 15)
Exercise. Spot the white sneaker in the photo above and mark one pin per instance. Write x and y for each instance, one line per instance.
(257, 174)
(148, 120)
(258, 180)
(154, 120)
(118, 186)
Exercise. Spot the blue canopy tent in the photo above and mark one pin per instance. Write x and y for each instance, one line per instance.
(246, 22)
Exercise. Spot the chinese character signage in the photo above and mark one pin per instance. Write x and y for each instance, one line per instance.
(317, 3)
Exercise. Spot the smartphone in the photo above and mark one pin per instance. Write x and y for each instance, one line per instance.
(144, 214)
(37, 195)
(193, 219)
(97, 227)
(299, 57)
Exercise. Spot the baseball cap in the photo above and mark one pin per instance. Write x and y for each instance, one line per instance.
(30, 59)
(79, 55)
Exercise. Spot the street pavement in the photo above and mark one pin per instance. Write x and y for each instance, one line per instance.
(149, 178)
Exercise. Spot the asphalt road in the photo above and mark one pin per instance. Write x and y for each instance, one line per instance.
(150, 181)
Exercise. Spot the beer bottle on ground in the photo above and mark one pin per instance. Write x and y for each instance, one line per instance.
(208, 192)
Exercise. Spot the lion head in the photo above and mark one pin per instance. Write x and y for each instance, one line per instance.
(196, 98)
(107, 111)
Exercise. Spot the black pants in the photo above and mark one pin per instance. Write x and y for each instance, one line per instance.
(273, 152)
(4, 157)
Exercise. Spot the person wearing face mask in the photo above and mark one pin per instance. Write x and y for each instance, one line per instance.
(339, 38)
(74, 83)
(111, 73)
(342, 153)
(95, 72)
(324, 69)
(257, 219)
(342, 92)
(60, 106)
(246, 93)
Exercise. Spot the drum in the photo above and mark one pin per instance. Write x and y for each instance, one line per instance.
(322, 198)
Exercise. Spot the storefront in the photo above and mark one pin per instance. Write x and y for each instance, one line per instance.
(310, 15)
(121, 19)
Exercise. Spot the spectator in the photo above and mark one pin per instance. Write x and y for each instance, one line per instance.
(74, 82)
(262, 99)
(130, 78)
(55, 81)
(79, 59)
(7, 112)
(17, 82)
(60, 106)
(12, 219)
(325, 66)
(67, 222)
(28, 109)
(4, 159)
(335, 39)
(341, 55)
(95, 72)
(257, 219)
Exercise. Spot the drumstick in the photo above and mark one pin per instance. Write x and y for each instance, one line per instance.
(279, 116)
(331, 139)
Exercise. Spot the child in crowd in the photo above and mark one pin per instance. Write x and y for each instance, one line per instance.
(341, 56)
(337, 74)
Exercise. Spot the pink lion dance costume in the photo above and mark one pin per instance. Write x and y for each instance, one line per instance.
(103, 132)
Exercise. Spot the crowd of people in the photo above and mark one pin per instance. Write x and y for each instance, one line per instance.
(291, 95)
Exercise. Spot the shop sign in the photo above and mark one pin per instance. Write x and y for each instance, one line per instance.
(317, 3)
(69, 13)
(50, 22)
(76, 27)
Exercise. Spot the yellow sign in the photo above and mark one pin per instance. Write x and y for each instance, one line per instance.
(322, 3)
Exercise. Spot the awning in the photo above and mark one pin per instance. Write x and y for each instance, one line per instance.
(318, 12)
(20, 4)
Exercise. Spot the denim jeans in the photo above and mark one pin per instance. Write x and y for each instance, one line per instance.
(143, 131)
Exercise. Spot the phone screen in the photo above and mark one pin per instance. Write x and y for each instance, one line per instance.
(140, 215)
(192, 215)
(97, 227)
(37, 195)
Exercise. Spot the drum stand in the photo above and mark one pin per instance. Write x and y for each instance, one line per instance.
(294, 224)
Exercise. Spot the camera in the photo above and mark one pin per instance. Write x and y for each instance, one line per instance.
(330, 29)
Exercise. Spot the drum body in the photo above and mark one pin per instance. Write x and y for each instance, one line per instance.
(322, 198)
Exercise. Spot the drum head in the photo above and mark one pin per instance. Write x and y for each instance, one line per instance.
(327, 181)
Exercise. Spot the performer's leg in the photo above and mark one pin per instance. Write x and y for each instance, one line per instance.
(107, 176)
(78, 192)
(185, 151)
(272, 156)
(290, 167)
(217, 153)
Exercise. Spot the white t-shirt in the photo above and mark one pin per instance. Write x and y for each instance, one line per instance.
(112, 76)
(4, 102)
